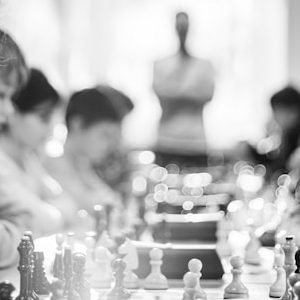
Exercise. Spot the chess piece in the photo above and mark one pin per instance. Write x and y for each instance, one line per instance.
(118, 292)
(59, 238)
(289, 248)
(24, 249)
(296, 291)
(297, 259)
(190, 280)
(295, 276)
(89, 242)
(131, 281)
(252, 255)
(31, 269)
(71, 240)
(277, 289)
(156, 280)
(6, 289)
(102, 276)
(69, 291)
(58, 266)
(80, 284)
(40, 283)
(223, 246)
(99, 214)
(236, 289)
(195, 266)
(57, 289)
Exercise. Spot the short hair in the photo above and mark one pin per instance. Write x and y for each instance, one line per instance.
(12, 61)
(91, 106)
(119, 100)
(36, 92)
(182, 14)
(288, 97)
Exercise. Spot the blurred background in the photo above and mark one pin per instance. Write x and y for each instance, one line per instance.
(80, 43)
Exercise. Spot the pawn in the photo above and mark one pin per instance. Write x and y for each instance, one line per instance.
(190, 280)
(118, 292)
(102, 276)
(296, 291)
(297, 260)
(277, 289)
(58, 265)
(236, 288)
(89, 242)
(156, 280)
(6, 289)
(195, 266)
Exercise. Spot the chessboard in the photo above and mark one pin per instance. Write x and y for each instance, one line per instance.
(257, 279)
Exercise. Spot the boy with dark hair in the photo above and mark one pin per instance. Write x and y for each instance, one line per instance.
(93, 119)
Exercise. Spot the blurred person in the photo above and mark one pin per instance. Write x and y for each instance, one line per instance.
(94, 131)
(21, 171)
(282, 134)
(17, 213)
(116, 169)
(183, 84)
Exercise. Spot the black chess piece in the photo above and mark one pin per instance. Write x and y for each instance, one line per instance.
(69, 291)
(58, 266)
(297, 260)
(57, 289)
(30, 280)
(81, 285)
(40, 283)
(118, 292)
(6, 289)
(24, 267)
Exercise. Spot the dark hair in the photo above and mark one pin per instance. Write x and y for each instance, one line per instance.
(288, 97)
(11, 61)
(119, 100)
(91, 106)
(38, 91)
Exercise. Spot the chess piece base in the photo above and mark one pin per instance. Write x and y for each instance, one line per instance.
(235, 296)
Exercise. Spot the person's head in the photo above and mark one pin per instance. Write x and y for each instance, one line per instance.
(13, 73)
(34, 108)
(182, 27)
(286, 108)
(94, 122)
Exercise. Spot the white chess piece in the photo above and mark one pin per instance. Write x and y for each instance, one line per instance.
(131, 281)
(223, 247)
(102, 276)
(236, 289)
(71, 240)
(195, 266)
(190, 280)
(89, 242)
(252, 255)
(277, 289)
(59, 238)
(156, 280)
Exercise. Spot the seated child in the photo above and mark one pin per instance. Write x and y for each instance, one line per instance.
(94, 130)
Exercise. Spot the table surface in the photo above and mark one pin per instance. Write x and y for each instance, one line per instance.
(257, 279)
